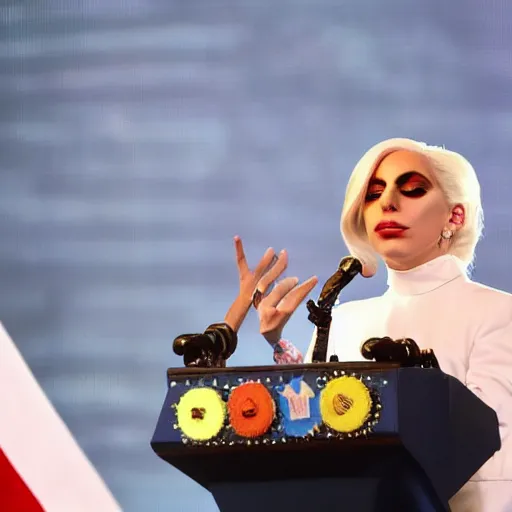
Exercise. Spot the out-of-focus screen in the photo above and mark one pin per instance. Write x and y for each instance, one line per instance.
(138, 137)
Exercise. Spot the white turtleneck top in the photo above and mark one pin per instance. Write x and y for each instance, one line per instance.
(469, 327)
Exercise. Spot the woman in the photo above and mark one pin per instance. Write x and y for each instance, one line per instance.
(418, 208)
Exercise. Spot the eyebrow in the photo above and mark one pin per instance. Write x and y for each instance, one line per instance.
(401, 180)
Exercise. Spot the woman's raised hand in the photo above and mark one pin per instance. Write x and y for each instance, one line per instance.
(275, 307)
(278, 306)
(249, 281)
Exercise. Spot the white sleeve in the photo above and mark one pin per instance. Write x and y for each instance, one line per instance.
(489, 376)
(489, 373)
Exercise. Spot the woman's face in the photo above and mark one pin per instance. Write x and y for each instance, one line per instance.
(405, 211)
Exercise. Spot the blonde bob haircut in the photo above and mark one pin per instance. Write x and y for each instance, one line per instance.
(455, 176)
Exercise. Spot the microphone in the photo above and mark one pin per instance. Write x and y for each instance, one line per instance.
(208, 350)
(320, 314)
(405, 351)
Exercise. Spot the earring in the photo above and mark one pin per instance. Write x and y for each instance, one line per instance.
(447, 234)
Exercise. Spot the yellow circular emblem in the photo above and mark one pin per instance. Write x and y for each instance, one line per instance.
(201, 413)
(345, 404)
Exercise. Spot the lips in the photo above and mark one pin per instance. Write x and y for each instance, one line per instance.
(390, 226)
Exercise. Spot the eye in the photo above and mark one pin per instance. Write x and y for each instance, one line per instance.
(414, 192)
(372, 195)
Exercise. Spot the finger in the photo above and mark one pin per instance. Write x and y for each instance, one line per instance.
(294, 297)
(241, 260)
(264, 264)
(275, 271)
(272, 263)
(275, 296)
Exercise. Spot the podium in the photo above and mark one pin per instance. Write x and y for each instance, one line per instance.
(353, 437)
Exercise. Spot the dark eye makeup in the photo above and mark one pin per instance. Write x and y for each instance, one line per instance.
(411, 184)
(415, 192)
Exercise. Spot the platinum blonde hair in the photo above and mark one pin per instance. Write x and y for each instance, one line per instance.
(456, 177)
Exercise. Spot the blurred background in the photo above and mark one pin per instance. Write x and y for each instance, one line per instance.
(137, 137)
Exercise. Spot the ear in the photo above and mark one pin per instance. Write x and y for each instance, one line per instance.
(368, 270)
(458, 217)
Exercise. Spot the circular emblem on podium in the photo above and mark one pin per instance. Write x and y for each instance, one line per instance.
(251, 409)
(201, 413)
(345, 404)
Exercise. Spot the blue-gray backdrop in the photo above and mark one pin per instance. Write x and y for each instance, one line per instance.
(137, 137)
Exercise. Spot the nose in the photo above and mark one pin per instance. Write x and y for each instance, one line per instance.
(389, 207)
(389, 201)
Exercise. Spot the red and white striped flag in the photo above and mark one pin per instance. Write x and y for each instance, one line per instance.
(42, 468)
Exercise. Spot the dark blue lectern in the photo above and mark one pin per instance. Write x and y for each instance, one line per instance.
(344, 436)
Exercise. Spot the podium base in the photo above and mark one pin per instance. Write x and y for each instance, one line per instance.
(333, 494)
